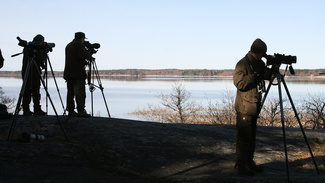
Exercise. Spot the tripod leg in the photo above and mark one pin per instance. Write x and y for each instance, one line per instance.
(101, 88)
(49, 97)
(92, 100)
(90, 79)
(265, 95)
(301, 127)
(21, 94)
(56, 84)
(109, 115)
(283, 126)
(95, 73)
(46, 84)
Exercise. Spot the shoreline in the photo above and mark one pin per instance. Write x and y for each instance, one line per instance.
(177, 73)
(17, 74)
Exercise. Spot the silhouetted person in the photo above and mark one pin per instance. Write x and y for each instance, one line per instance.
(75, 74)
(1, 60)
(3, 108)
(33, 81)
(248, 78)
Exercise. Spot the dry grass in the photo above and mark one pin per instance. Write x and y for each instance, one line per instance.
(303, 160)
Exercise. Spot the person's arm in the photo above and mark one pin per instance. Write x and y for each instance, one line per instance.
(242, 80)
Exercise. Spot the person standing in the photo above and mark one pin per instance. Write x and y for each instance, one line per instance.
(3, 108)
(76, 57)
(33, 80)
(248, 77)
(1, 60)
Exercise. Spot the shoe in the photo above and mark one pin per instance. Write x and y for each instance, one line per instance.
(83, 114)
(39, 112)
(72, 113)
(27, 112)
(252, 165)
(244, 170)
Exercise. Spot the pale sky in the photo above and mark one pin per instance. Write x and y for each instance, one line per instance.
(162, 34)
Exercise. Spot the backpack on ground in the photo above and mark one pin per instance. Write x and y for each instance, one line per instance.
(4, 112)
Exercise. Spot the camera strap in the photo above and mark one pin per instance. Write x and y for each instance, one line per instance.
(260, 84)
(249, 63)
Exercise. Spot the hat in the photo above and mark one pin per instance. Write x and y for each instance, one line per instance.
(79, 35)
(39, 37)
(258, 46)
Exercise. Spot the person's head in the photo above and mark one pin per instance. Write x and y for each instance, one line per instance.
(258, 49)
(39, 38)
(80, 36)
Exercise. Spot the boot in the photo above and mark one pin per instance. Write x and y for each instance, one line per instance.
(38, 110)
(27, 110)
(252, 165)
(242, 169)
(83, 113)
(72, 113)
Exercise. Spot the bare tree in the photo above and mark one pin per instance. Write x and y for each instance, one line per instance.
(177, 108)
(179, 104)
(9, 102)
(270, 113)
(223, 111)
(313, 108)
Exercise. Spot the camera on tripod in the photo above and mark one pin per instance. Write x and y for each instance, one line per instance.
(278, 59)
(36, 44)
(92, 48)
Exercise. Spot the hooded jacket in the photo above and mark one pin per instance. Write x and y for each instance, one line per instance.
(75, 60)
(248, 73)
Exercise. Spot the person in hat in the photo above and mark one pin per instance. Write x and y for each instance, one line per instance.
(249, 75)
(75, 74)
(33, 79)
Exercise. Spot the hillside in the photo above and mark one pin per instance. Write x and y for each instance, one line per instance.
(119, 150)
(143, 73)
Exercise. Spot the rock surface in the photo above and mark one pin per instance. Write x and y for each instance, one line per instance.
(120, 150)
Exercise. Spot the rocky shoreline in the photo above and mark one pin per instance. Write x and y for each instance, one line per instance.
(120, 150)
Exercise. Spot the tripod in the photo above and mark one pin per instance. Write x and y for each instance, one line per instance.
(31, 63)
(280, 79)
(92, 75)
(56, 85)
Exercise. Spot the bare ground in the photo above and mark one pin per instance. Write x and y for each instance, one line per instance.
(119, 150)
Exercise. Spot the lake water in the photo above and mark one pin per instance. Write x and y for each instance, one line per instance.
(125, 96)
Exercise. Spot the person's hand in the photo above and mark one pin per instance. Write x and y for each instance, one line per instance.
(257, 77)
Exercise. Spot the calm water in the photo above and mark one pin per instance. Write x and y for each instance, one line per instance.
(125, 96)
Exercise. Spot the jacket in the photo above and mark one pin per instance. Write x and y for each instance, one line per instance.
(75, 60)
(39, 56)
(248, 73)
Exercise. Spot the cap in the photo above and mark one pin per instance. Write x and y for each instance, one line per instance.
(258, 46)
(79, 35)
(39, 37)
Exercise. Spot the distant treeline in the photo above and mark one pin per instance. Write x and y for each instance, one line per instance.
(142, 73)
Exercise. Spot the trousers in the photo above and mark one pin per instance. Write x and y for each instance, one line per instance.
(76, 90)
(246, 138)
(32, 89)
